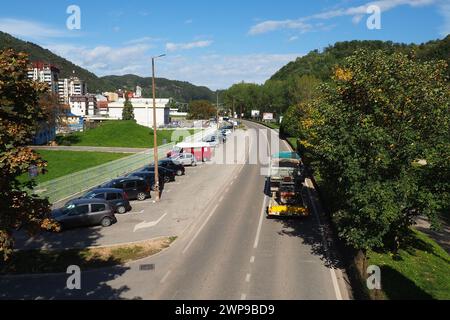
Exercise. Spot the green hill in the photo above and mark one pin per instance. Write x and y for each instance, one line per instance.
(180, 91)
(117, 134)
(320, 64)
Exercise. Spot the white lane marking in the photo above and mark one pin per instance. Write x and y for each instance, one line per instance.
(221, 198)
(145, 225)
(165, 276)
(231, 183)
(261, 218)
(200, 229)
(243, 296)
(248, 277)
(337, 290)
(252, 259)
(227, 189)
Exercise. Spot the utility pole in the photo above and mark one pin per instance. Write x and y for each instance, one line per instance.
(217, 107)
(155, 131)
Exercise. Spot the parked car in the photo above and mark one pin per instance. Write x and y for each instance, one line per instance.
(212, 140)
(186, 159)
(134, 187)
(149, 177)
(166, 174)
(85, 212)
(173, 165)
(115, 197)
(226, 132)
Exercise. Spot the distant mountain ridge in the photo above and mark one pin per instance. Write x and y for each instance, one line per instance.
(179, 90)
(320, 64)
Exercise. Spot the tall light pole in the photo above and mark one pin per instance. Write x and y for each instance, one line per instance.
(217, 106)
(155, 131)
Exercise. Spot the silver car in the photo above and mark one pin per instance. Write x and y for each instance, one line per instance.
(85, 212)
(186, 159)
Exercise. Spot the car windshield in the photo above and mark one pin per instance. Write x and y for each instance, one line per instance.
(66, 209)
(90, 195)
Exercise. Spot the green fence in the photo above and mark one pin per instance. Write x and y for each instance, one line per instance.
(67, 186)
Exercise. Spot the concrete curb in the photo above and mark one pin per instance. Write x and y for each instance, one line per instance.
(39, 275)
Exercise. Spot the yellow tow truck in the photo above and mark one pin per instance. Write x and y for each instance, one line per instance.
(286, 177)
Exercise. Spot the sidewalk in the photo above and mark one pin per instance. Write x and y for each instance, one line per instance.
(90, 149)
(442, 237)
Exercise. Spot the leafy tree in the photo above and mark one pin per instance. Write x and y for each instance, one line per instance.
(128, 110)
(302, 88)
(201, 110)
(380, 131)
(20, 114)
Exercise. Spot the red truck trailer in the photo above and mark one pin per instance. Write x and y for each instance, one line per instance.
(201, 150)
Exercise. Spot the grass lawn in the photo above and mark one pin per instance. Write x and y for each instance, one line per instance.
(61, 163)
(292, 142)
(421, 271)
(272, 125)
(118, 134)
(44, 261)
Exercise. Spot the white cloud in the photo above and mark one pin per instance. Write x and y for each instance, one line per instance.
(31, 29)
(105, 60)
(293, 38)
(213, 70)
(272, 25)
(142, 40)
(355, 12)
(221, 71)
(187, 46)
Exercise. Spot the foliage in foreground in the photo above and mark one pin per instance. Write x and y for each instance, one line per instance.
(379, 132)
(20, 115)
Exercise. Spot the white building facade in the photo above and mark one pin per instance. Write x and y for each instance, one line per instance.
(143, 111)
(70, 87)
(44, 72)
(82, 106)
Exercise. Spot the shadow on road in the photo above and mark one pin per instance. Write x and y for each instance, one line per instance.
(311, 233)
(95, 284)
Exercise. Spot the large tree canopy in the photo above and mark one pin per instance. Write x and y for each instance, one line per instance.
(380, 130)
(20, 115)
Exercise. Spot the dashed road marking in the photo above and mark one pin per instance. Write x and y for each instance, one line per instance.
(200, 229)
(248, 277)
(261, 218)
(165, 276)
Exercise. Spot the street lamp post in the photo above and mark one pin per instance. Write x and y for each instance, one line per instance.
(155, 131)
(217, 106)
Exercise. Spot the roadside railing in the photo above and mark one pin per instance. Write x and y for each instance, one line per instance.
(67, 186)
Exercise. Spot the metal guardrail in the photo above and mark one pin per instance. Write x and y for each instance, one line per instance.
(64, 187)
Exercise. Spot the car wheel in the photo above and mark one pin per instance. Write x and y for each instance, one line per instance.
(121, 210)
(106, 222)
(194, 164)
(153, 187)
(166, 179)
(141, 196)
(179, 173)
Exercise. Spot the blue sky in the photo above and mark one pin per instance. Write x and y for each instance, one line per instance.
(213, 43)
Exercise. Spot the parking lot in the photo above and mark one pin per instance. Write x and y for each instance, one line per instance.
(181, 203)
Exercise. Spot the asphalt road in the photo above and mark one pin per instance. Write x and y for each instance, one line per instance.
(229, 251)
